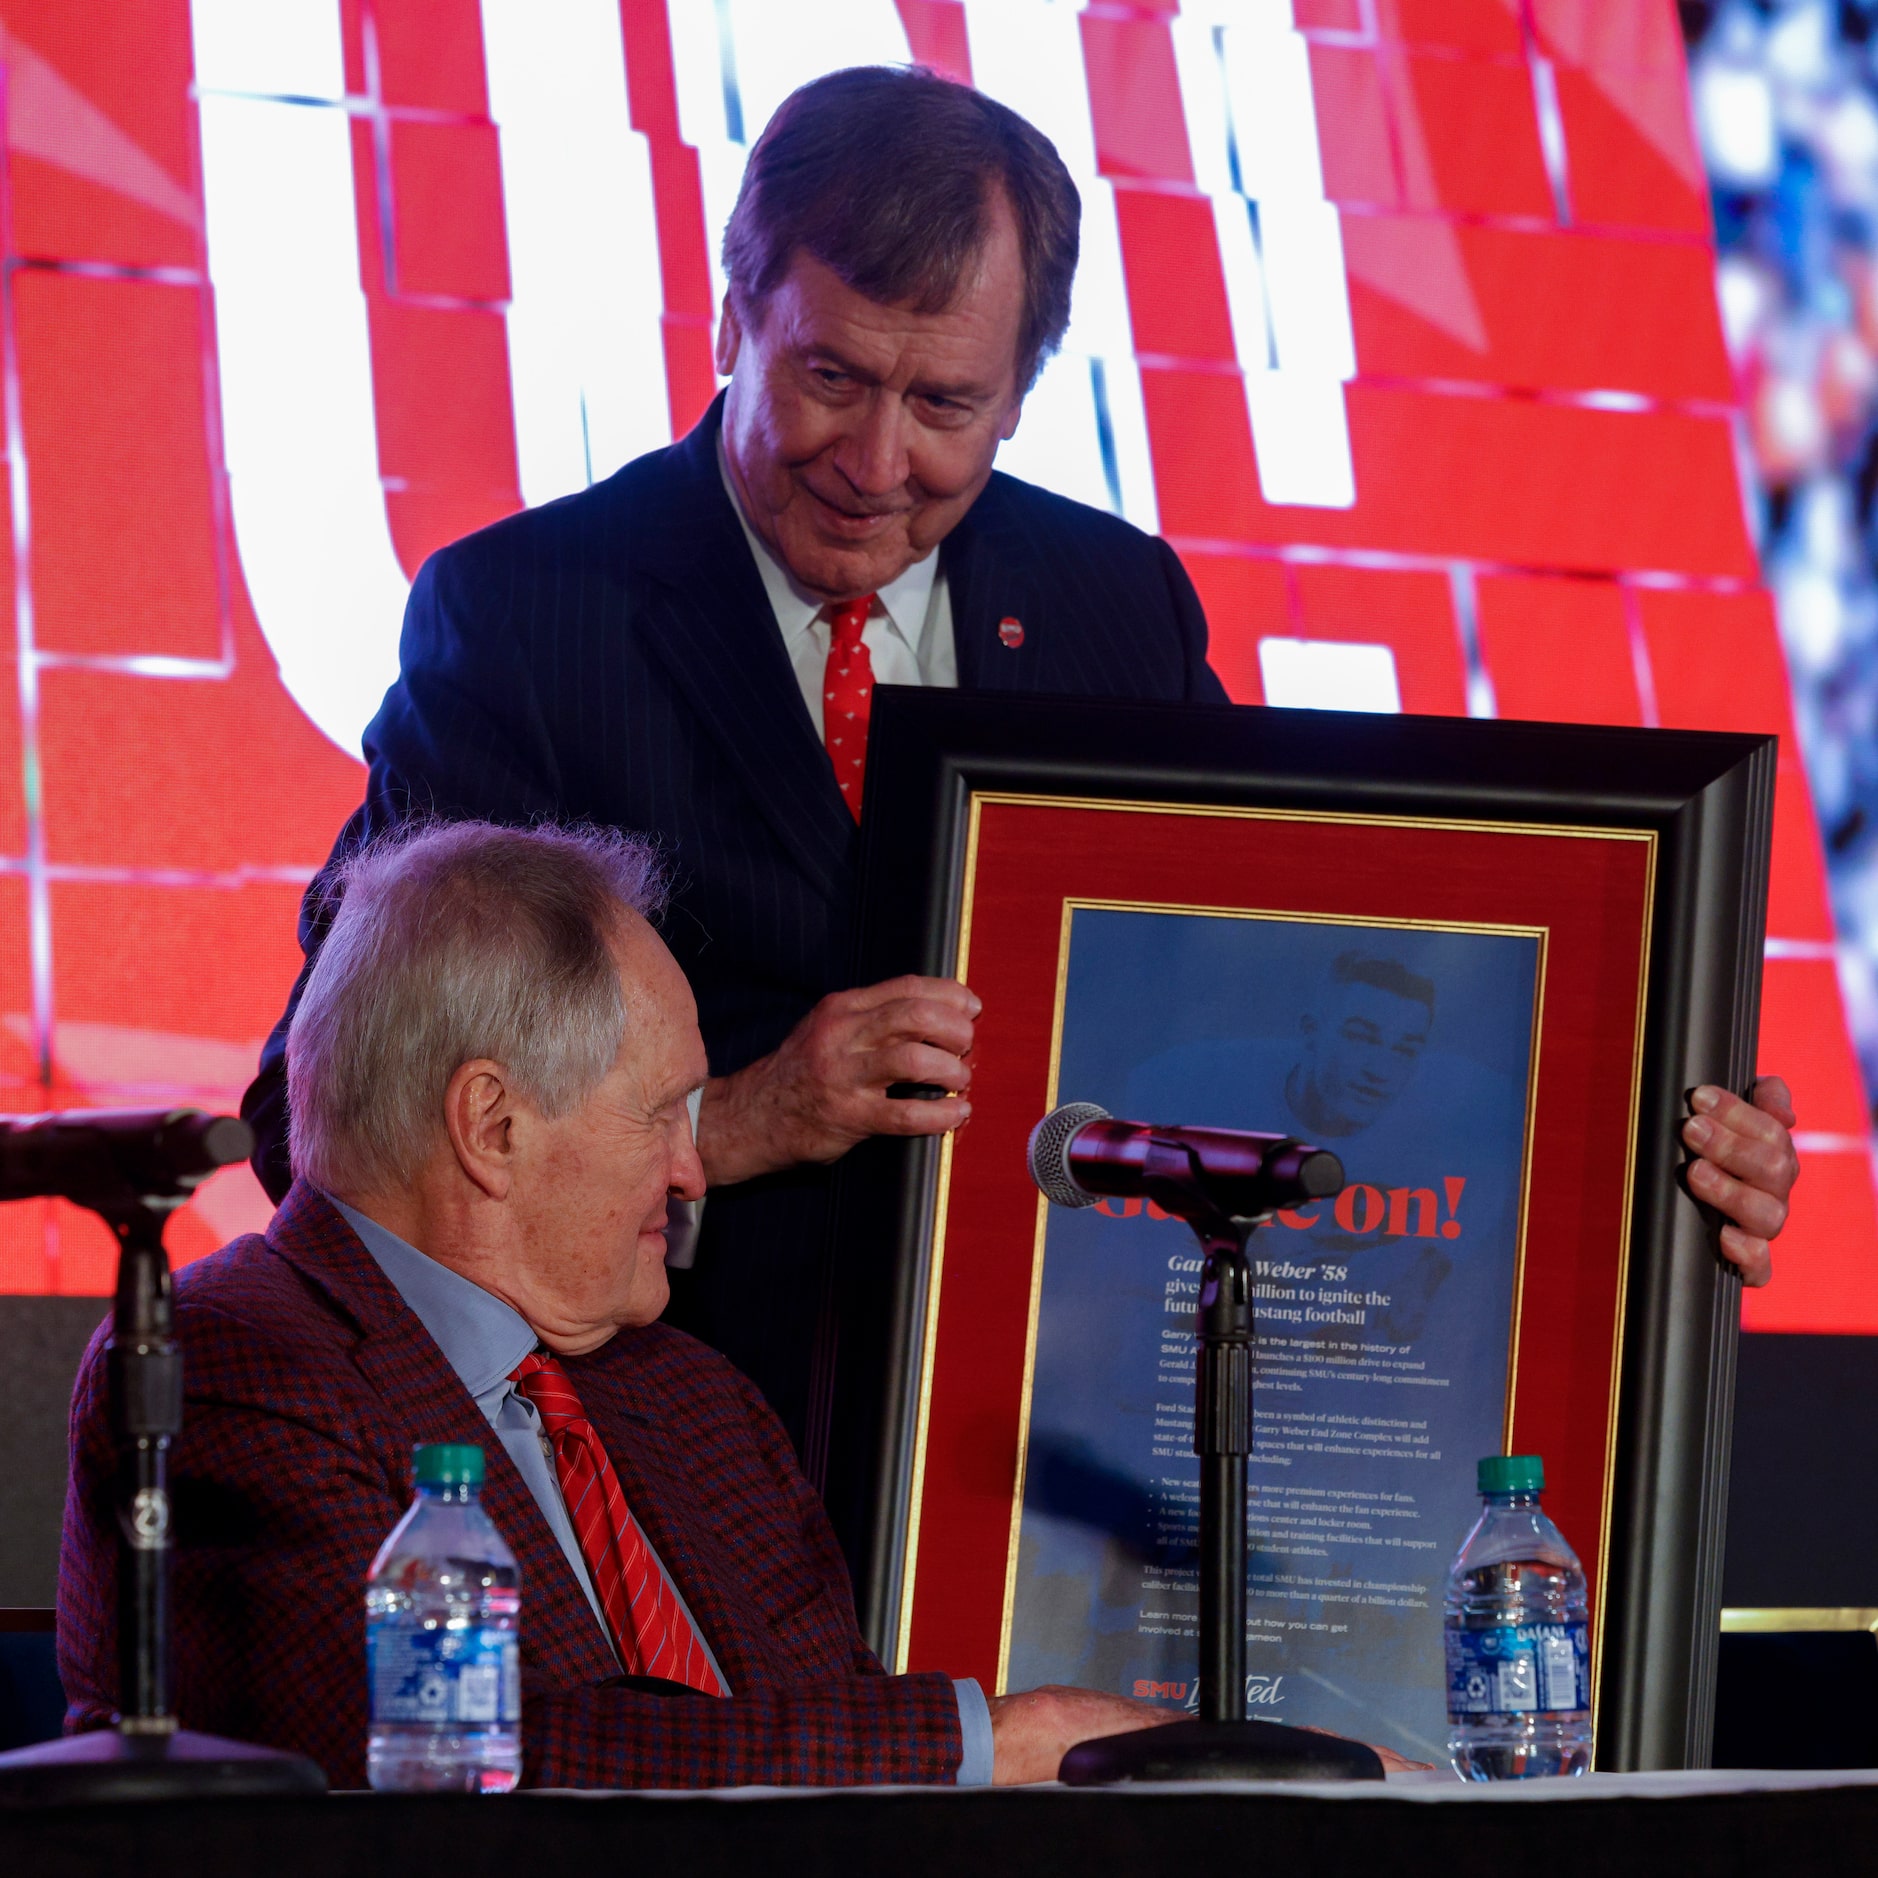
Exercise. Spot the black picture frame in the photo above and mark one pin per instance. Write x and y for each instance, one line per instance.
(1708, 798)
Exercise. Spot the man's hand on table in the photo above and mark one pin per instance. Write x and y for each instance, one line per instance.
(1747, 1168)
(826, 1087)
(1031, 1732)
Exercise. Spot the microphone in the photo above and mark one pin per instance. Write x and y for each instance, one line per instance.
(105, 1158)
(1080, 1154)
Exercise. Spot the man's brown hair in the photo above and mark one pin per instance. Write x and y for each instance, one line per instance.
(885, 175)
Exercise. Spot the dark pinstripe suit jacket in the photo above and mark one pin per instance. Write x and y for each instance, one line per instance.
(308, 1380)
(612, 657)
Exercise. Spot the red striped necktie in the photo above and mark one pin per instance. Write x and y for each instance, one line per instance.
(653, 1634)
(847, 697)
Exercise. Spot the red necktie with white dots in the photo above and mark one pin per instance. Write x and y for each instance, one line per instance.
(847, 696)
(649, 1625)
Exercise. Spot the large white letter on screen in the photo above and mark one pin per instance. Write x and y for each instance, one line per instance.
(298, 419)
(586, 356)
(1245, 80)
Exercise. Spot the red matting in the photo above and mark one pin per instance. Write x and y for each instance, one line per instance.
(1590, 892)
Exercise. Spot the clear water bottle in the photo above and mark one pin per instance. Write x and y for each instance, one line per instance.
(1519, 1664)
(442, 1646)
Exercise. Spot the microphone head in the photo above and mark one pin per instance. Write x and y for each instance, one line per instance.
(1049, 1153)
(1320, 1174)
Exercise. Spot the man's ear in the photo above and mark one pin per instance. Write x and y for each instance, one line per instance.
(729, 338)
(479, 1116)
(1012, 417)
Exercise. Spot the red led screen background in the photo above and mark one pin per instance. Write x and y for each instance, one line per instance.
(1548, 521)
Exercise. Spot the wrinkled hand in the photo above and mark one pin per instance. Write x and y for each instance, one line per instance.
(826, 1087)
(1747, 1168)
(1031, 1732)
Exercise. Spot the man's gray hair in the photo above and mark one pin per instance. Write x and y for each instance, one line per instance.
(455, 941)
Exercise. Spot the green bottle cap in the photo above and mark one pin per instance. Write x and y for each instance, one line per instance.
(1511, 1473)
(447, 1464)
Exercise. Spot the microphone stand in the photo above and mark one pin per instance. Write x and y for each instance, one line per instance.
(1222, 1744)
(146, 1756)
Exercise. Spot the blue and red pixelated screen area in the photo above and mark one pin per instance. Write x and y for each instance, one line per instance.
(1397, 317)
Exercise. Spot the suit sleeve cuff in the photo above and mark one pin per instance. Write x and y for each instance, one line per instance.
(975, 1730)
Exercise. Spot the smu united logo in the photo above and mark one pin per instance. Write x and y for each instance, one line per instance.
(1260, 1692)
(595, 283)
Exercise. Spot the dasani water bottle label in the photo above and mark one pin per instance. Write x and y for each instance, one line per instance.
(1517, 1669)
(443, 1674)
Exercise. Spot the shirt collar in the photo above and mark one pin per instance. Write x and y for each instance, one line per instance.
(481, 1338)
(904, 600)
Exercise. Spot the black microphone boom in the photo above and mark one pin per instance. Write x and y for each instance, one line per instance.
(107, 1158)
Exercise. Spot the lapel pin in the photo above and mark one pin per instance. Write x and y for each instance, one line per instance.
(1011, 631)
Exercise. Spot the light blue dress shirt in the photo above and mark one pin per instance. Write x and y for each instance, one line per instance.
(483, 1339)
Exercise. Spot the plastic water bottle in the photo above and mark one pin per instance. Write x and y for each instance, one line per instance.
(442, 1647)
(1519, 1665)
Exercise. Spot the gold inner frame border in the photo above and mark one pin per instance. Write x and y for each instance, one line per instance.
(978, 802)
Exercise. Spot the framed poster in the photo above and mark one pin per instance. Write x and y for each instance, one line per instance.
(1483, 963)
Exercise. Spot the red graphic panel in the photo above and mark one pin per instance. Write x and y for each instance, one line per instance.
(101, 134)
(936, 36)
(428, 54)
(1176, 292)
(124, 551)
(1468, 135)
(1634, 160)
(1640, 35)
(1140, 125)
(1559, 649)
(1525, 310)
(1467, 478)
(1353, 131)
(1826, 1250)
(1246, 600)
(1800, 1004)
(1410, 613)
(438, 250)
(1488, 26)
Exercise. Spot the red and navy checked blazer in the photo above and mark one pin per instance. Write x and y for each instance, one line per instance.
(308, 1379)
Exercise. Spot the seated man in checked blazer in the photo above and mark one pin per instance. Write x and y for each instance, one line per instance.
(490, 1073)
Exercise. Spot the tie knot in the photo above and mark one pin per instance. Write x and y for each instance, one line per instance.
(540, 1377)
(845, 622)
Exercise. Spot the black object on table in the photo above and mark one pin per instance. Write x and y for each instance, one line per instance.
(134, 1167)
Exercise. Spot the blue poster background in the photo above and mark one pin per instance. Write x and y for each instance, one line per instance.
(1384, 1318)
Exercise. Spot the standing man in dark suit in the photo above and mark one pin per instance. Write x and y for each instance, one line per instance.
(689, 647)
